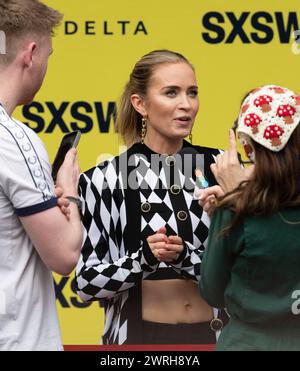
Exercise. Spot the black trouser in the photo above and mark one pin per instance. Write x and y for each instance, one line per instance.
(182, 333)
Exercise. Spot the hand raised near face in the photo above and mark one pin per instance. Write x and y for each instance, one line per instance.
(227, 169)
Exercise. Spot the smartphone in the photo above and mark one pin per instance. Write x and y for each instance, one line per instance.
(69, 141)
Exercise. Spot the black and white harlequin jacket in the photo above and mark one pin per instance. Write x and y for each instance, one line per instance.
(117, 219)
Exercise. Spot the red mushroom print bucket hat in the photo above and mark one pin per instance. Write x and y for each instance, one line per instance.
(269, 115)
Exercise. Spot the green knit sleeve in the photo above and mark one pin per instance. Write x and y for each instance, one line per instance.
(218, 258)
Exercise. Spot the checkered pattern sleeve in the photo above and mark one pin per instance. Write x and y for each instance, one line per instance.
(188, 262)
(105, 269)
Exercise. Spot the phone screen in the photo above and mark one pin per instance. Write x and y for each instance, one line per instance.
(69, 141)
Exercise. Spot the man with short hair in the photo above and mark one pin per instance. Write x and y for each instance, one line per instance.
(35, 237)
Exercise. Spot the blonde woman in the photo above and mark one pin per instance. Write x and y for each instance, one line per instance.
(144, 230)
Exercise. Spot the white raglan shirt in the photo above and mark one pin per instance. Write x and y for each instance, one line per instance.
(28, 316)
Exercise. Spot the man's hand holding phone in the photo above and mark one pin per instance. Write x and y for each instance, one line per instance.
(67, 179)
(66, 168)
(68, 174)
(69, 141)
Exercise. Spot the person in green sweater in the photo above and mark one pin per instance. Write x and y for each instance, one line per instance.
(251, 264)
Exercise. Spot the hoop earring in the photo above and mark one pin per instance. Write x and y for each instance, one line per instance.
(191, 138)
(144, 129)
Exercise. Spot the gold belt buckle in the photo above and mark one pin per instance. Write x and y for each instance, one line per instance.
(216, 324)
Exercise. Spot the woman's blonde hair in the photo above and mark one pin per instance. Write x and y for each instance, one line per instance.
(129, 121)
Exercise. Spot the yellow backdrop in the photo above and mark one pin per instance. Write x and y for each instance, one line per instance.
(234, 46)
